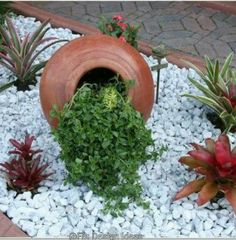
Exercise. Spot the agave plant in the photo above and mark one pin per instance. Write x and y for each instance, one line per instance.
(219, 90)
(25, 173)
(217, 163)
(21, 53)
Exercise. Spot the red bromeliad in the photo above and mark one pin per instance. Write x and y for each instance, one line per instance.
(217, 163)
(24, 148)
(26, 172)
(231, 96)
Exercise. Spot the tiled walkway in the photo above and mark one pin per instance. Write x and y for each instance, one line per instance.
(183, 26)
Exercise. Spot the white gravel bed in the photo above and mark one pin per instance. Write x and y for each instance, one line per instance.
(58, 209)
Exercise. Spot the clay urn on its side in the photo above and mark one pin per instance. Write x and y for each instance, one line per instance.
(65, 69)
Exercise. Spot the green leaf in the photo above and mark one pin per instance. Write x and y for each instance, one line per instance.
(208, 101)
(7, 85)
(226, 65)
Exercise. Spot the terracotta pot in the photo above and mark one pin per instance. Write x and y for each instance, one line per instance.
(71, 62)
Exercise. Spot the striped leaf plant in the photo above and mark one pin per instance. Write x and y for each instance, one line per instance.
(18, 55)
(218, 88)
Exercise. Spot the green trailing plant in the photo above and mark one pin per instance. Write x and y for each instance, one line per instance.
(116, 27)
(219, 89)
(217, 163)
(21, 53)
(103, 142)
(24, 172)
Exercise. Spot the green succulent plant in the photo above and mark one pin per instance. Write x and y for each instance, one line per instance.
(219, 90)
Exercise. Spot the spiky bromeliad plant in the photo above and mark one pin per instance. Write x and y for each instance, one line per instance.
(219, 90)
(217, 163)
(21, 53)
(25, 173)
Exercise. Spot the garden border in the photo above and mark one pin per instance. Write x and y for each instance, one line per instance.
(220, 6)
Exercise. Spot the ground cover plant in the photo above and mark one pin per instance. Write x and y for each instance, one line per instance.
(219, 89)
(24, 172)
(103, 142)
(19, 54)
(116, 27)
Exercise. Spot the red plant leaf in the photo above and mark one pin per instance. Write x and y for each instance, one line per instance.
(210, 145)
(223, 155)
(208, 191)
(193, 162)
(15, 143)
(28, 141)
(203, 155)
(194, 186)
(197, 146)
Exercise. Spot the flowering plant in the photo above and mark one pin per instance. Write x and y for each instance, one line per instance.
(217, 163)
(116, 27)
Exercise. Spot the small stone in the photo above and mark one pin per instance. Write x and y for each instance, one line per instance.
(55, 230)
(79, 204)
(91, 220)
(88, 196)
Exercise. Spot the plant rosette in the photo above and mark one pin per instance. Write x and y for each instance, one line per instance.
(217, 163)
(104, 141)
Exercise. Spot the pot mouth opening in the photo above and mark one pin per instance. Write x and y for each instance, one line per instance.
(102, 77)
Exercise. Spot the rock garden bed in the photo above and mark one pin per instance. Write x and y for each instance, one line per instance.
(60, 209)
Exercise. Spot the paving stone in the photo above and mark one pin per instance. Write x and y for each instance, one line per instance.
(233, 46)
(169, 18)
(222, 49)
(93, 8)
(169, 26)
(231, 20)
(143, 6)
(229, 38)
(159, 5)
(151, 26)
(175, 34)
(78, 10)
(191, 25)
(204, 48)
(206, 23)
(110, 6)
(180, 6)
(220, 16)
(128, 6)
(208, 12)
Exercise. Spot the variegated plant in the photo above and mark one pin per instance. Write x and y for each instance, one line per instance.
(219, 90)
(20, 54)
